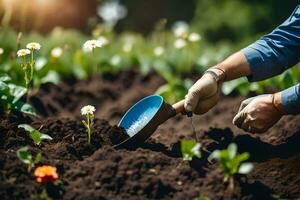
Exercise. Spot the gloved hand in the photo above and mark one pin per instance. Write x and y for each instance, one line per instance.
(204, 94)
(258, 114)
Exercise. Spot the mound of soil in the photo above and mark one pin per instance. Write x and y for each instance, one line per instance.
(155, 170)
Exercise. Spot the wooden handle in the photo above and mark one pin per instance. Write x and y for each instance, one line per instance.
(179, 106)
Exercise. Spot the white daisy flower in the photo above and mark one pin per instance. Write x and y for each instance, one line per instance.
(23, 52)
(56, 52)
(179, 43)
(194, 37)
(103, 40)
(180, 28)
(89, 45)
(1, 51)
(88, 110)
(33, 46)
(158, 51)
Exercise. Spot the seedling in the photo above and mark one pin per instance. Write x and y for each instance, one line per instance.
(231, 163)
(34, 134)
(24, 155)
(201, 197)
(190, 149)
(10, 96)
(28, 65)
(88, 111)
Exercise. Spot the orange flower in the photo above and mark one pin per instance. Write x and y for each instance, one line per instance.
(45, 174)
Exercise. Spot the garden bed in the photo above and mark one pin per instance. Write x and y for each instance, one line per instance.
(156, 169)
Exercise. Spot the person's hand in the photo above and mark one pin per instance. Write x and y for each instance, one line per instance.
(204, 94)
(258, 114)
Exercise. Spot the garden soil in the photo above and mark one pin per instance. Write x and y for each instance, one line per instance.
(155, 170)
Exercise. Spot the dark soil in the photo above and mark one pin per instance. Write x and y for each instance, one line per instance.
(153, 171)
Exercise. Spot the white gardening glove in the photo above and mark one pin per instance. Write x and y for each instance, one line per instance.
(258, 114)
(204, 94)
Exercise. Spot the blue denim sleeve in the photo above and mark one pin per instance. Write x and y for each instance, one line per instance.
(290, 99)
(274, 53)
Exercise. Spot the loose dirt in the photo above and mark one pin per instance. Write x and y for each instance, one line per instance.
(155, 170)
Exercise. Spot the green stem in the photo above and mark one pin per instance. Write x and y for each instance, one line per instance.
(89, 129)
(29, 167)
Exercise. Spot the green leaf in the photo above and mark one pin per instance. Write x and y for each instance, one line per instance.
(232, 150)
(45, 137)
(245, 168)
(51, 77)
(36, 137)
(38, 158)
(3, 87)
(16, 91)
(26, 127)
(24, 155)
(5, 78)
(24, 108)
(201, 197)
(190, 149)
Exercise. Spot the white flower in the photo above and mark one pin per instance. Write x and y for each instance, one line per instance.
(88, 110)
(23, 52)
(33, 46)
(127, 47)
(180, 28)
(103, 40)
(179, 43)
(89, 45)
(116, 60)
(56, 52)
(158, 51)
(1, 51)
(112, 11)
(194, 37)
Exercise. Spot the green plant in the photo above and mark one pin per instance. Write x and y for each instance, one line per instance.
(201, 197)
(28, 66)
(230, 161)
(24, 155)
(190, 149)
(10, 97)
(88, 112)
(34, 134)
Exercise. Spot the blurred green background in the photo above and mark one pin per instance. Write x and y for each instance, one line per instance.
(141, 36)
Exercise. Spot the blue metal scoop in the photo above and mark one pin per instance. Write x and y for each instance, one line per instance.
(143, 118)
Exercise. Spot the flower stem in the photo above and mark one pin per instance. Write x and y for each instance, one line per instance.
(89, 128)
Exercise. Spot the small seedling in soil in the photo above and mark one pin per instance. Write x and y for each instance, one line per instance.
(28, 66)
(190, 149)
(47, 176)
(34, 134)
(24, 155)
(10, 96)
(88, 111)
(231, 163)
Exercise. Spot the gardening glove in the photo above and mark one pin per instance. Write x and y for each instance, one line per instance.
(258, 114)
(204, 94)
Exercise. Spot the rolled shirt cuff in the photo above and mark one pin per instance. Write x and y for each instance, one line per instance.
(290, 99)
